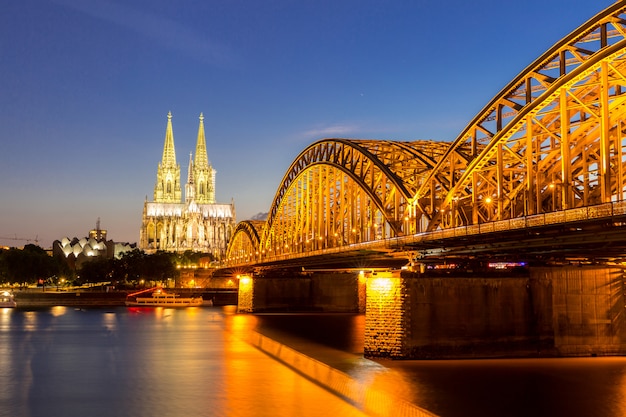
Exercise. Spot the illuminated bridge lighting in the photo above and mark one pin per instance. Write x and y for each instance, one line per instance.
(549, 148)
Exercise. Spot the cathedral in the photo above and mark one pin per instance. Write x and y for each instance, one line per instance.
(194, 221)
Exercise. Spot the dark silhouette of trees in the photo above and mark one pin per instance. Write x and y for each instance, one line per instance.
(131, 268)
(31, 264)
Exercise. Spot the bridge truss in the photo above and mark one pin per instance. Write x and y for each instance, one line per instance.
(551, 141)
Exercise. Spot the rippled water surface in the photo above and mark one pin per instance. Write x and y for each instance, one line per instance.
(66, 362)
(572, 387)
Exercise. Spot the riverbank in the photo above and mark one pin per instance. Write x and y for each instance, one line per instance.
(39, 298)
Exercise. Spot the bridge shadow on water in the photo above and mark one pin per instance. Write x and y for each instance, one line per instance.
(328, 349)
(576, 387)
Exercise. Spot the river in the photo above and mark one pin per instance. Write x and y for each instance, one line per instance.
(66, 362)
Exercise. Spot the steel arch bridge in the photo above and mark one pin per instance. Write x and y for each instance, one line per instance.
(551, 141)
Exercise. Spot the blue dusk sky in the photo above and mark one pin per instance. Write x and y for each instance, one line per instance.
(86, 85)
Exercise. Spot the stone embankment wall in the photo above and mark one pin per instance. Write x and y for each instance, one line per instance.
(39, 298)
(32, 299)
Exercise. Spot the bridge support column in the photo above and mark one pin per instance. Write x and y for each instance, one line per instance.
(289, 290)
(245, 297)
(548, 311)
(387, 316)
(588, 309)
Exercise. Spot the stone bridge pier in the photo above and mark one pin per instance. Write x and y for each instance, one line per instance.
(541, 312)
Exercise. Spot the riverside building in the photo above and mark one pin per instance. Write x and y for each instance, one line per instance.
(178, 222)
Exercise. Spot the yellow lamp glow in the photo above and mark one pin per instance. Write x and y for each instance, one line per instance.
(381, 285)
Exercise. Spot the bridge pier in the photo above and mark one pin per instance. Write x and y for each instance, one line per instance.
(291, 290)
(557, 311)
(539, 312)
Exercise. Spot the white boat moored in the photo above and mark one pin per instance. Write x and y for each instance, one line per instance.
(161, 298)
(7, 299)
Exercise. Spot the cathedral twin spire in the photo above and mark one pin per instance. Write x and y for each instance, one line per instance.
(200, 185)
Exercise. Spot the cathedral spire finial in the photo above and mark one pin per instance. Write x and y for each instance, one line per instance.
(190, 186)
(190, 170)
(201, 160)
(204, 175)
(167, 188)
(169, 152)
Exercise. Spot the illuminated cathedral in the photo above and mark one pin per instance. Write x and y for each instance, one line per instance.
(194, 221)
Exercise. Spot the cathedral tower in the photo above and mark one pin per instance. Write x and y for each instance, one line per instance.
(196, 223)
(167, 188)
(203, 172)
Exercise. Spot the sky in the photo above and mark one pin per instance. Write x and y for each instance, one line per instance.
(86, 85)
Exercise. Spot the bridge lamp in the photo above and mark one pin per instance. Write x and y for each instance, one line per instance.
(381, 285)
(488, 200)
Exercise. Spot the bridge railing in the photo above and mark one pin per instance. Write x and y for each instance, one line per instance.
(600, 211)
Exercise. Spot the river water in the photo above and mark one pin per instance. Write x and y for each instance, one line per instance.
(66, 362)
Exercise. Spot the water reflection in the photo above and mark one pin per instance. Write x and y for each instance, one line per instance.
(58, 310)
(144, 362)
(573, 387)
(171, 362)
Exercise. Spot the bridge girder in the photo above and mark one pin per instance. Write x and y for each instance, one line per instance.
(244, 245)
(340, 191)
(552, 140)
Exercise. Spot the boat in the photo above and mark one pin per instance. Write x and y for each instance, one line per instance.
(160, 298)
(7, 299)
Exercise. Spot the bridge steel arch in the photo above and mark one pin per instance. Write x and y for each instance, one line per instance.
(551, 140)
(339, 192)
(244, 245)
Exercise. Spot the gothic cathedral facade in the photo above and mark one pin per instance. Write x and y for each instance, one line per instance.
(194, 221)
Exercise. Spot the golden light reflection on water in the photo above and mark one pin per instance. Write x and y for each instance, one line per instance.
(5, 348)
(257, 386)
(57, 311)
(620, 397)
(241, 324)
(5, 318)
(30, 321)
(110, 321)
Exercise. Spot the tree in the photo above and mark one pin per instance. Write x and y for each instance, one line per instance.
(136, 265)
(96, 270)
(29, 265)
(159, 266)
